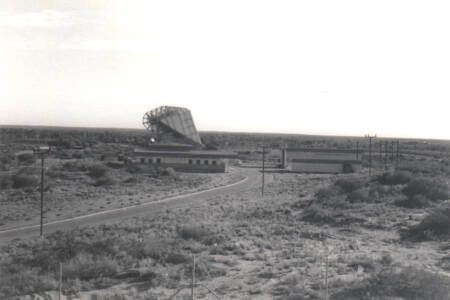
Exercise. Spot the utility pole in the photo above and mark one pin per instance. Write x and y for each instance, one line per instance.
(398, 154)
(42, 151)
(193, 280)
(357, 149)
(381, 153)
(370, 153)
(392, 151)
(386, 143)
(42, 194)
(60, 281)
(263, 168)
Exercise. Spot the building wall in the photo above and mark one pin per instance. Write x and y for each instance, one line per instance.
(320, 155)
(306, 167)
(184, 164)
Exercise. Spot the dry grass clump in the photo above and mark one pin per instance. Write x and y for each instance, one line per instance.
(106, 180)
(194, 232)
(433, 189)
(26, 158)
(392, 283)
(435, 226)
(395, 178)
(97, 170)
(23, 181)
(422, 192)
(102, 256)
(316, 214)
(349, 184)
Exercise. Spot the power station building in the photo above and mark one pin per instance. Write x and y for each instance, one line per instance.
(186, 161)
(309, 160)
(175, 143)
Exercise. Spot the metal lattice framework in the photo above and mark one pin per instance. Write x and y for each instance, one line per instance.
(166, 120)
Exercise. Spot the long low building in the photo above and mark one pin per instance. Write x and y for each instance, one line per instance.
(310, 160)
(185, 161)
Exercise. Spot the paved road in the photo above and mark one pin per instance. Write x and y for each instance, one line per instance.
(252, 179)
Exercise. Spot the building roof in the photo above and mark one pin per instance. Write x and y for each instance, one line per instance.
(195, 154)
(321, 150)
(326, 161)
(170, 147)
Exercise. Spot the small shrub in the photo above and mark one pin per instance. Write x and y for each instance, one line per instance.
(26, 158)
(360, 195)
(115, 165)
(86, 266)
(73, 166)
(104, 181)
(349, 184)
(430, 188)
(320, 215)
(394, 178)
(134, 169)
(435, 226)
(329, 192)
(23, 181)
(317, 215)
(6, 182)
(177, 258)
(416, 201)
(169, 172)
(98, 170)
(77, 155)
(193, 232)
(408, 283)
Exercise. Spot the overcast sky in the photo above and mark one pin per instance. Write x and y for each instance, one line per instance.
(312, 67)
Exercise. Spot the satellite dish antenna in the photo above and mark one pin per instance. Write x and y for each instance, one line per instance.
(170, 120)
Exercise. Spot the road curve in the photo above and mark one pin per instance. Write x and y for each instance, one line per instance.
(252, 178)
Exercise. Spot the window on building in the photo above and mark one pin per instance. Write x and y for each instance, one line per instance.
(206, 162)
(158, 160)
(214, 162)
(150, 161)
(191, 162)
(199, 161)
(142, 160)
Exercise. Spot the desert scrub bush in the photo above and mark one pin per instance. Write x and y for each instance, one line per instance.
(91, 257)
(433, 189)
(115, 165)
(104, 181)
(391, 283)
(203, 270)
(360, 195)
(415, 201)
(25, 281)
(23, 181)
(73, 166)
(349, 184)
(97, 170)
(85, 266)
(319, 215)
(394, 178)
(194, 232)
(26, 158)
(170, 172)
(435, 226)
(6, 182)
(78, 155)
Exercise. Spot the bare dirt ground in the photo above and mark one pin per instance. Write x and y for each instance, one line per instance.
(264, 249)
(71, 193)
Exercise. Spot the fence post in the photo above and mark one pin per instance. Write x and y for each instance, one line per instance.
(60, 281)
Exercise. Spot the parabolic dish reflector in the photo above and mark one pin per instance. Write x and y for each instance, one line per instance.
(174, 120)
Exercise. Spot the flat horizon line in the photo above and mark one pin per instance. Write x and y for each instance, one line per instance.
(219, 131)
